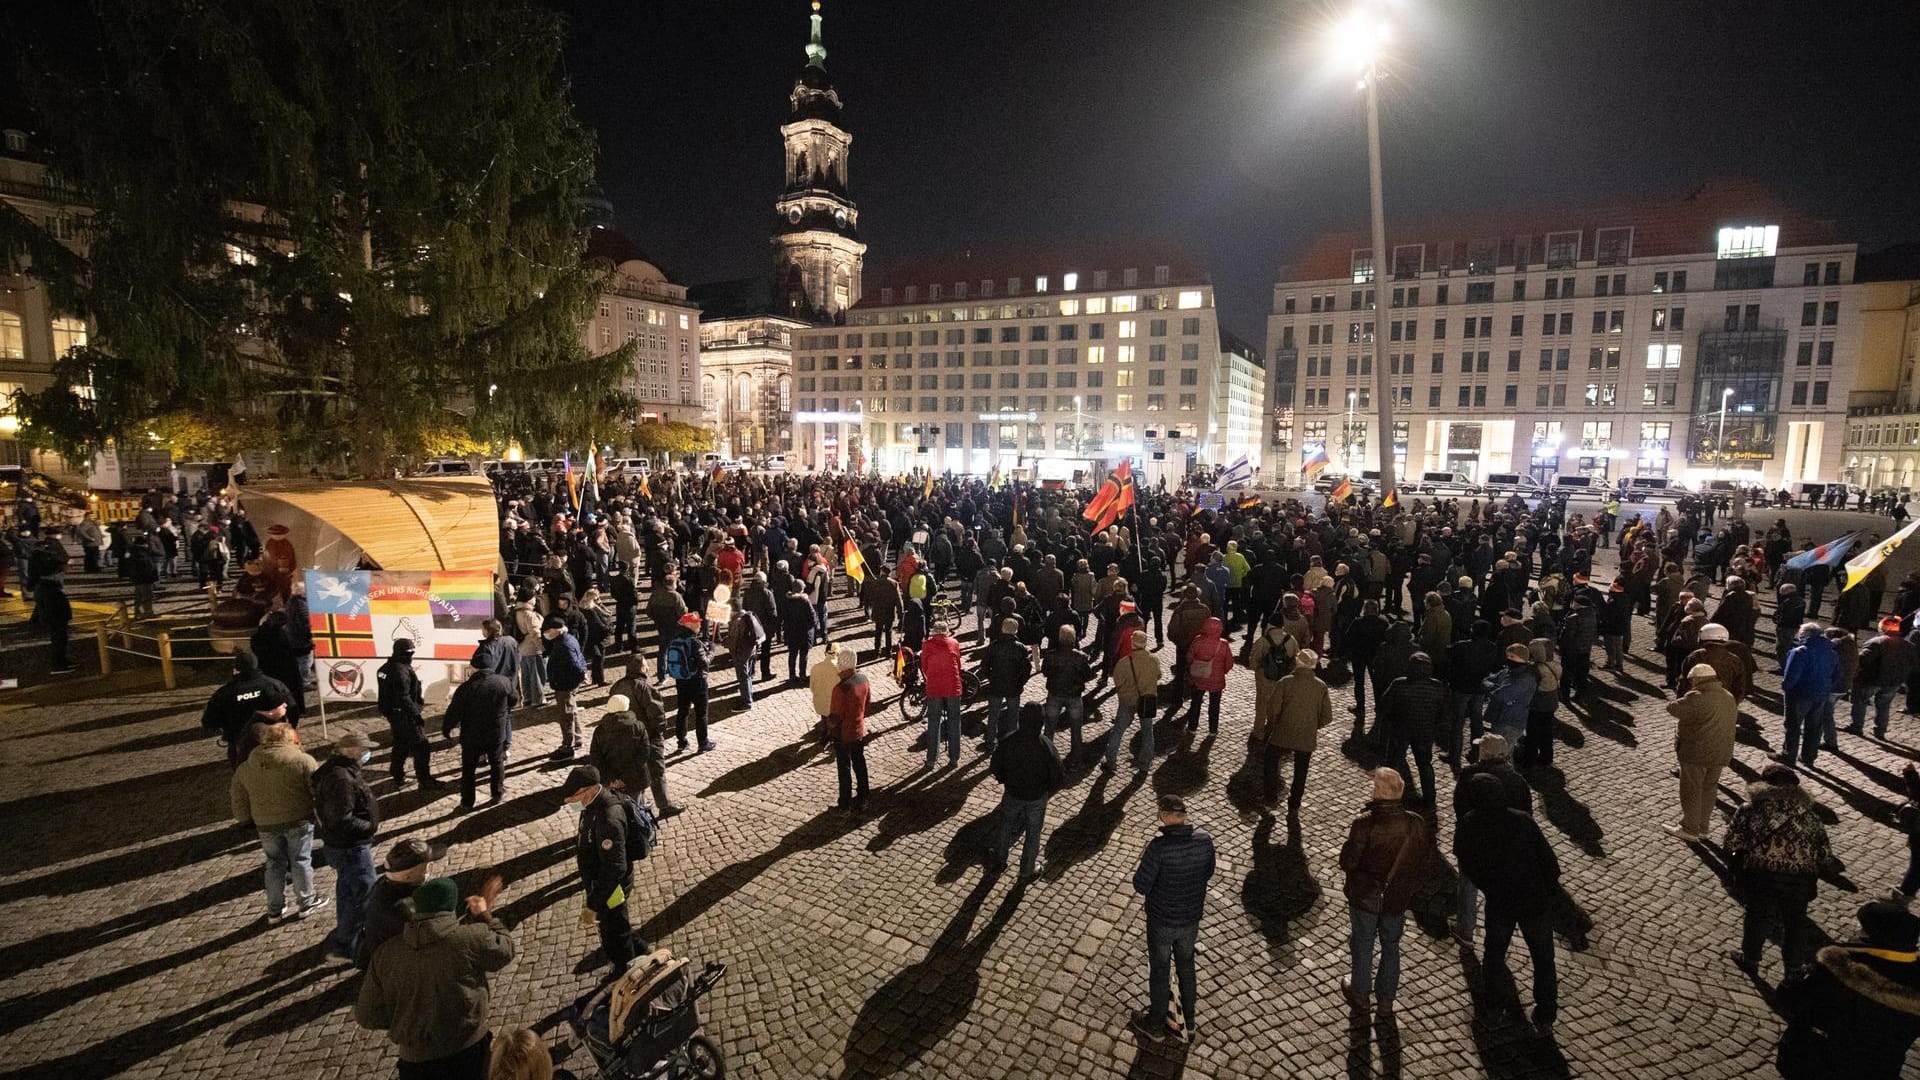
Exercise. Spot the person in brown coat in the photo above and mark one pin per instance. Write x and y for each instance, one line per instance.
(1382, 859)
(1732, 661)
(1703, 741)
(1299, 707)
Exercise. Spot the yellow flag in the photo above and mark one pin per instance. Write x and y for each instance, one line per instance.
(1867, 561)
(927, 491)
(856, 566)
(646, 488)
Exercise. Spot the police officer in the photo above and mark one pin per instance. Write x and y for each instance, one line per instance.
(233, 706)
(600, 852)
(401, 702)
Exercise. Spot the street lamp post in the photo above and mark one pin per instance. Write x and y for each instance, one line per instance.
(1347, 436)
(1078, 423)
(1720, 442)
(1361, 38)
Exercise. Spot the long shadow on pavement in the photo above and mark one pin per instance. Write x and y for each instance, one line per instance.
(919, 1006)
(1508, 1048)
(1280, 887)
(778, 762)
(1566, 813)
(40, 827)
(1082, 836)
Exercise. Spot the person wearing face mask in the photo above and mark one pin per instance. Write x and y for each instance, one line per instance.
(348, 816)
(606, 870)
(566, 672)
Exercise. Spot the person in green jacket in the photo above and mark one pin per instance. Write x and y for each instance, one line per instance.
(273, 795)
(427, 989)
(1237, 570)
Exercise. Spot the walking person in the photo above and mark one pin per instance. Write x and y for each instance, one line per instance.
(1504, 853)
(428, 989)
(940, 678)
(1778, 846)
(481, 709)
(1172, 876)
(1136, 687)
(1029, 772)
(1705, 720)
(849, 733)
(1381, 858)
(273, 795)
(566, 674)
(347, 817)
(603, 854)
(688, 657)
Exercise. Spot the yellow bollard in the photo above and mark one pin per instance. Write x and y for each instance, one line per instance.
(106, 658)
(166, 660)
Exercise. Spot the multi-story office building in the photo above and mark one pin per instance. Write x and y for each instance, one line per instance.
(1883, 412)
(1039, 367)
(33, 334)
(1237, 414)
(1716, 334)
(640, 305)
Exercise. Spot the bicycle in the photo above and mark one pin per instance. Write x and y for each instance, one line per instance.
(913, 687)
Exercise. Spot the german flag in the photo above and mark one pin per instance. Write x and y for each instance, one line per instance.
(1247, 502)
(850, 557)
(1341, 491)
(1392, 499)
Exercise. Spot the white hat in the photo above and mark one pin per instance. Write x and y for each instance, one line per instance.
(1713, 631)
(1702, 671)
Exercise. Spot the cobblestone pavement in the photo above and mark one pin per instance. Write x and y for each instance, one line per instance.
(133, 944)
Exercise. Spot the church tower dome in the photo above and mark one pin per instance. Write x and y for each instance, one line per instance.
(816, 237)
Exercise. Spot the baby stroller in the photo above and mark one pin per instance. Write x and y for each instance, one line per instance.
(645, 1024)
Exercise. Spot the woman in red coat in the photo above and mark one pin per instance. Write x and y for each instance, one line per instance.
(849, 734)
(1208, 660)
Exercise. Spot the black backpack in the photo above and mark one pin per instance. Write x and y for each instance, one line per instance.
(1277, 664)
(643, 829)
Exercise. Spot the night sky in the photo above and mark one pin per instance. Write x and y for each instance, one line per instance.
(1221, 125)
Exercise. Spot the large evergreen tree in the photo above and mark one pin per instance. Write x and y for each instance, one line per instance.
(355, 220)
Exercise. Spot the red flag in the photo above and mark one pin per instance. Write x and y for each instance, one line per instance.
(1115, 508)
(1109, 491)
(1123, 470)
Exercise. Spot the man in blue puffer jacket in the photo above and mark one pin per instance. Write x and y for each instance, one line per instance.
(1173, 877)
(1806, 685)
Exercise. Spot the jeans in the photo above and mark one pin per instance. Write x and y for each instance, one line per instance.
(352, 881)
(289, 854)
(1118, 737)
(1368, 926)
(469, 1064)
(851, 760)
(943, 711)
(1175, 944)
(533, 681)
(1076, 709)
(1422, 748)
(1003, 716)
(1803, 722)
(1538, 933)
(797, 649)
(303, 660)
(1882, 697)
(1469, 717)
(1027, 815)
(744, 669)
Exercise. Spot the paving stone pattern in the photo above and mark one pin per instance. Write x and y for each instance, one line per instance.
(133, 944)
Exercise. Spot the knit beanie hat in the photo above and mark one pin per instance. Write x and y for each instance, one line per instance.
(436, 897)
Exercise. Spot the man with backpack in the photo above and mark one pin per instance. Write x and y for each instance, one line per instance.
(744, 635)
(643, 700)
(687, 658)
(605, 846)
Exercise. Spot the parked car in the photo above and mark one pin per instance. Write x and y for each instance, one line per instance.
(1445, 482)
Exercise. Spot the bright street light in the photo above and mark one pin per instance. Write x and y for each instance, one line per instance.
(1360, 40)
(1720, 443)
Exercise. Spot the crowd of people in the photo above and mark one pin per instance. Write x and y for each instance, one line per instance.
(1468, 626)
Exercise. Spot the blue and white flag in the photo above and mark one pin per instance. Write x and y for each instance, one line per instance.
(1238, 474)
(1831, 553)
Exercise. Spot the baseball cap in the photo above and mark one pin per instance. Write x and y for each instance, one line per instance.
(353, 740)
(408, 854)
(554, 622)
(581, 778)
(1172, 804)
(690, 619)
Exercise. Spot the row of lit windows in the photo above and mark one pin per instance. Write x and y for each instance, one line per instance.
(1066, 355)
(1008, 380)
(1035, 403)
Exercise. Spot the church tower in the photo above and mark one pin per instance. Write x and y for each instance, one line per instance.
(818, 253)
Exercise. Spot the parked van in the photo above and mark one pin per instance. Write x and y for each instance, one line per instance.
(1657, 488)
(1501, 485)
(1445, 482)
(447, 467)
(1572, 484)
(773, 463)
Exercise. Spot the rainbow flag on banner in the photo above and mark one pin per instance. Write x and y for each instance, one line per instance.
(357, 615)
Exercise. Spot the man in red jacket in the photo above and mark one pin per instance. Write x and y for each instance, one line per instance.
(940, 670)
(849, 733)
